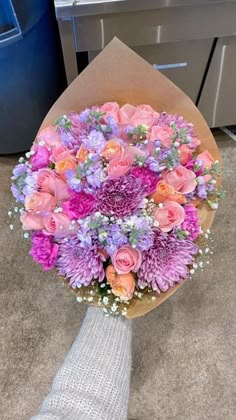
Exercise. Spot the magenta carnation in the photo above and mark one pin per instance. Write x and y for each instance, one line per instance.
(191, 222)
(44, 251)
(40, 158)
(166, 262)
(147, 177)
(79, 205)
(120, 197)
(80, 264)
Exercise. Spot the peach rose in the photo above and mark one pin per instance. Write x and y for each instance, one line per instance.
(48, 181)
(207, 159)
(164, 134)
(64, 165)
(111, 109)
(183, 180)
(60, 153)
(56, 224)
(31, 221)
(82, 154)
(112, 150)
(170, 215)
(126, 259)
(122, 284)
(142, 114)
(50, 136)
(40, 202)
(120, 166)
(185, 154)
(165, 192)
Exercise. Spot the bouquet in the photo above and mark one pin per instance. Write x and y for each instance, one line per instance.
(114, 196)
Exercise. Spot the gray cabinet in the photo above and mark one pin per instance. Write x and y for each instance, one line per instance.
(218, 98)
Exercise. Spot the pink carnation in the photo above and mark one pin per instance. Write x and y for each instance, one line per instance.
(191, 222)
(79, 205)
(40, 159)
(147, 177)
(44, 251)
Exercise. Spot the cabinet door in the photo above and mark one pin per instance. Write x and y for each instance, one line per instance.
(217, 101)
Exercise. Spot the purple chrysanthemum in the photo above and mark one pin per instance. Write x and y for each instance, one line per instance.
(80, 264)
(166, 262)
(120, 197)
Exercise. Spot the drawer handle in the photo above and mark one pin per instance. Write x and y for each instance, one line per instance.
(169, 66)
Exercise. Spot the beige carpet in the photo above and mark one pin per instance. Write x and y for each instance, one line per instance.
(183, 352)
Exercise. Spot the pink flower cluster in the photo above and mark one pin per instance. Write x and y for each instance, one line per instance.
(104, 187)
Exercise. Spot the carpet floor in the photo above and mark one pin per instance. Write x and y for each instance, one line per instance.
(183, 352)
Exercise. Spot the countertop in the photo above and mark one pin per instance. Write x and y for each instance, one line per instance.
(70, 8)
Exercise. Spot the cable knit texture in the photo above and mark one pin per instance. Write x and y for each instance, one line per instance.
(94, 380)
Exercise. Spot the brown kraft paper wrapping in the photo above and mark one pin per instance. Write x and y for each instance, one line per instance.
(119, 74)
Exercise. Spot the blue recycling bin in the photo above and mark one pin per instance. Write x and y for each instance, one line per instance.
(32, 72)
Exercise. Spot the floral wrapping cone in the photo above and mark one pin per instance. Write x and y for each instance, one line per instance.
(118, 74)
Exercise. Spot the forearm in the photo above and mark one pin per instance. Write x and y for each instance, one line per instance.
(93, 382)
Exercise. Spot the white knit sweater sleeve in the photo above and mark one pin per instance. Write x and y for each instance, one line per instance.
(93, 381)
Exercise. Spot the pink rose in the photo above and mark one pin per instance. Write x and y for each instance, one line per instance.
(126, 259)
(163, 134)
(56, 224)
(170, 215)
(142, 114)
(185, 154)
(60, 153)
(40, 202)
(183, 180)
(48, 181)
(31, 221)
(44, 251)
(40, 159)
(207, 159)
(135, 151)
(79, 205)
(120, 166)
(111, 109)
(50, 136)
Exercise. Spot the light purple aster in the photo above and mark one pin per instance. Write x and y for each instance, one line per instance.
(166, 262)
(201, 191)
(19, 170)
(73, 182)
(95, 140)
(115, 238)
(80, 265)
(17, 194)
(84, 115)
(30, 183)
(120, 197)
(112, 126)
